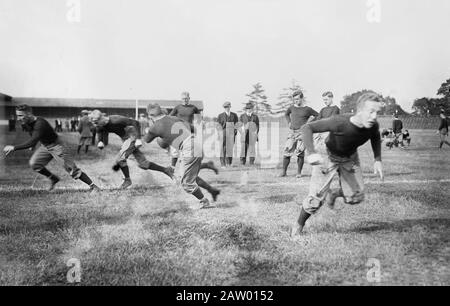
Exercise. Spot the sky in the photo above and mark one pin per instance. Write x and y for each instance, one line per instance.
(216, 49)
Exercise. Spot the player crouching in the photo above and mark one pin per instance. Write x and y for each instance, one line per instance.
(346, 135)
(129, 131)
(51, 148)
(177, 133)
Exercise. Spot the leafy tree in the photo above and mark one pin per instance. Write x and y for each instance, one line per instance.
(285, 99)
(390, 106)
(444, 90)
(259, 100)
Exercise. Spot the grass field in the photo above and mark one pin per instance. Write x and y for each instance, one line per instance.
(150, 235)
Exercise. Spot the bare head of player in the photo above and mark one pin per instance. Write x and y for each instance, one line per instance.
(24, 114)
(185, 97)
(327, 98)
(97, 117)
(298, 98)
(367, 108)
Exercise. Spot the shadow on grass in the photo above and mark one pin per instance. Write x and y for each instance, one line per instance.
(435, 195)
(402, 225)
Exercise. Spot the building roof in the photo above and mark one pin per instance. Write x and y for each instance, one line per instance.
(4, 97)
(93, 103)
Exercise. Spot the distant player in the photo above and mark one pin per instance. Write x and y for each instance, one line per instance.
(397, 128)
(443, 130)
(129, 131)
(328, 111)
(85, 129)
(186, 112)
(406, 138)
(51, 148)
(177, 133)
(297, 115)
(347, 133)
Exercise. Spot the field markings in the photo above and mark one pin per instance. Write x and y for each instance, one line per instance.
(12, 189)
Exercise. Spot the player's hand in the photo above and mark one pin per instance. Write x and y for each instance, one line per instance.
(146, 130)
(100, 145)
(8, 149)
(378, 169)
(314, 159)
(138, 143)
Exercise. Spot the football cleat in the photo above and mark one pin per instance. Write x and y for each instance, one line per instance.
(126, 183)
(53, 181)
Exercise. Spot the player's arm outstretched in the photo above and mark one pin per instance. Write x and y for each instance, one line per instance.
(31, 143)
(308, 130)
(375, 141)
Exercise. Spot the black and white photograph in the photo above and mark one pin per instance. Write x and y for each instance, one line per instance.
(211, 144)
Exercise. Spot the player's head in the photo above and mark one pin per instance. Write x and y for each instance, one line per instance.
(298, 97)
(185, 97)
(227, 106)
(84, 113)
(327, 98)
(367, 108)
(249, 108)
(97, 117)
(24, 114)
(154, 110)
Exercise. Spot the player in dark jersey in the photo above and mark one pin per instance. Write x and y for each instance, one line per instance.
(178, 133)
(297, 115)
(397, 128)
(51, 148)
(347, 133)
(443, 130)
(130, 132)
(185, 111)
(328, 111)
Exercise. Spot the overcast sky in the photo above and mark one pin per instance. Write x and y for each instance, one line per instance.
(217, 49)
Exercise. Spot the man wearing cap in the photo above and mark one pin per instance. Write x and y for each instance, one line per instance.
(130, 132)
(249, 136)
(297, 115)
(186, 112)
(227, 120)
(178, 133)
(328, 111)
(85, 129)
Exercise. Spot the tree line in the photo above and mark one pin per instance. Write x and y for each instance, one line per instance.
(421, 107)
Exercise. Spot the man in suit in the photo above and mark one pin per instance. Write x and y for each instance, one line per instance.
(85, 129)
(227, 120)
(250, 130)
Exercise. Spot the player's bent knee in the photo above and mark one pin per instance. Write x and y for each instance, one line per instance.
(189, 187)
(311, 205)
(122, 163)
(36, 166)
(75, 173)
